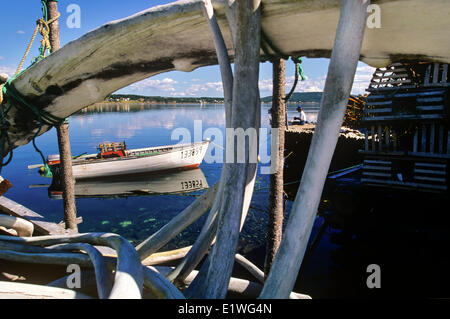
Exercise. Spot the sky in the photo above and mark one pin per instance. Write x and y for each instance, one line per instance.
(18, 23)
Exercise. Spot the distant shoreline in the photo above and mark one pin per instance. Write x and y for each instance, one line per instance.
(136, 106)
(186, 103)
(298, 97)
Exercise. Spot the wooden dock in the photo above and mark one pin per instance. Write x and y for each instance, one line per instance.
(41, 227)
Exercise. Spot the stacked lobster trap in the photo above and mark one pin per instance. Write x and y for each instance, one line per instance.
(405, 118)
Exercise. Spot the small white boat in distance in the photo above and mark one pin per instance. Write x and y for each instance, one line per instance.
(114, 159)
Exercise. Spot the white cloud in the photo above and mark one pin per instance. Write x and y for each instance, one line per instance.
(203, 89)
(2, 57)
(21, 32)
(7, 69)
(178, 94)
(266, 85)
(362, 79)
(165, 85)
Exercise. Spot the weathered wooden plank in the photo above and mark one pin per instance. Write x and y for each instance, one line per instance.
(41, 227)
(444, 73)
(388, 96)
(430, 99)
(14, 290)
(430, 155)
(380, 168)
(392, 82)
(381, 89)
(401, 117)
(379, 103)
(430, 165)
(431, 179)
(381, 110)
(436, 73)
(395, 75)
(430, 107)
(377, 174)
(425, 93)
(427, 171)
(377, 162)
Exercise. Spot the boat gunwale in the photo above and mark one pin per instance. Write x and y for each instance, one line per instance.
(170, 149)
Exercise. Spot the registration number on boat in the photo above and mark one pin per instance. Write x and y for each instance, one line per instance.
(191, 152)
(194, 184)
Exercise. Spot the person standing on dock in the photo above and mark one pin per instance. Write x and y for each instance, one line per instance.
(302, 117)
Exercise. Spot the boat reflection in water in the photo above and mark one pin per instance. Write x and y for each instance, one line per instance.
(174, 182)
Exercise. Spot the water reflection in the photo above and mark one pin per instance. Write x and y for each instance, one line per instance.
(125, 124)
(179, 182)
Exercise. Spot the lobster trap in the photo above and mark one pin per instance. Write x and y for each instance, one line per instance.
(405, 120)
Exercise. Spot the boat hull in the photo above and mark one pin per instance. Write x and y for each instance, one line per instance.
(176, 157)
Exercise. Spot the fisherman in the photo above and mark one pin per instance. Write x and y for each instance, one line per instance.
(302, 117)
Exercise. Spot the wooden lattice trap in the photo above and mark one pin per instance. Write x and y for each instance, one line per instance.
(407, 136)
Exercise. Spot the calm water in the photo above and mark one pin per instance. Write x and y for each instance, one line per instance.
(134, 217)
(332, 271)
(137, 217)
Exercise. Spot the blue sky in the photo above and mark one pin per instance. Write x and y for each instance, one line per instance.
(18, 23)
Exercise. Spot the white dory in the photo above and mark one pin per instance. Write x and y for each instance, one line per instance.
(114, 159)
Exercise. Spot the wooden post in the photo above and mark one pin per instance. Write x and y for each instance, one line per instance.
(341, 72)
(276, 210)
(238, 184)
(67, 180)
(208, 232)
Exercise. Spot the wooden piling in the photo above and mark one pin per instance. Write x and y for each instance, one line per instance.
(341, 72)
(240, 177)
(67, 180)
(276, 210)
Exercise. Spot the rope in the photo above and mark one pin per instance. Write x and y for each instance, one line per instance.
(266, 45)
(8, 91)
(42, 25)
(298, 72)
(27, 51)
(43, 117)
